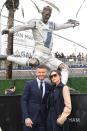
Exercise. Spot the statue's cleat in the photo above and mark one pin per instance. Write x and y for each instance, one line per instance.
(33, 62)
(5, 31)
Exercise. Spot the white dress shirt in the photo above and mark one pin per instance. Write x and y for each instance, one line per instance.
(43, 84)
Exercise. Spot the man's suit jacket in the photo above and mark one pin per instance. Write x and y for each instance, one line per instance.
(33, 105)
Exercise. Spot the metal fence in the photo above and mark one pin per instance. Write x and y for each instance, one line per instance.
(25, 74)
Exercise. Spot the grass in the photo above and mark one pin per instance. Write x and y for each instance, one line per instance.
(78, 83)
(4, 84)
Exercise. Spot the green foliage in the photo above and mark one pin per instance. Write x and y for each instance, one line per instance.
(5, 84)
(78, 83)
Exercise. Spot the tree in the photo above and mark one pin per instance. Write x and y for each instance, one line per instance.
(12, 6)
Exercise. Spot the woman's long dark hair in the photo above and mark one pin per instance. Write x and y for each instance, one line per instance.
(57, 71)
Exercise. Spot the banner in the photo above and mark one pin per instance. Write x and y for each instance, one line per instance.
(23, 43)
(78, 117)
(11, 117)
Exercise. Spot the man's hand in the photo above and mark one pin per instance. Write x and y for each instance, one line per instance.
(28, 122)
(5, 31)
(74, 22)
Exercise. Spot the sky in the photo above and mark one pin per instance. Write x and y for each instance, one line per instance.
(68, 10)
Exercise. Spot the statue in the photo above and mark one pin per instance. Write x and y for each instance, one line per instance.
(42, 32)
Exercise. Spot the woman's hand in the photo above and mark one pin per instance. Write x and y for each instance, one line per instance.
(60, 121)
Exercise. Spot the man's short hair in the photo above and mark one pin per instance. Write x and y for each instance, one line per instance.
(42, 66)
(47, 8)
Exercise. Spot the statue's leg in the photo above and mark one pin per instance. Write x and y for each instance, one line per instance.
(53, 63)
(33, 62)
(64, 72)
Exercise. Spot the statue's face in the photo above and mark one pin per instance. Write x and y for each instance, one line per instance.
(46, 15)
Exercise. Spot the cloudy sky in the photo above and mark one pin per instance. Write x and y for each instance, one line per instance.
(68, 10)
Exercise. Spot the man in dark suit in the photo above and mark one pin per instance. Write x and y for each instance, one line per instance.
(34, 101)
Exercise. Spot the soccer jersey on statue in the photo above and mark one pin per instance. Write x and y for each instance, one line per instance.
(42, 32)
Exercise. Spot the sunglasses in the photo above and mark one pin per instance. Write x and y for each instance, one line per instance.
(54, 75)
